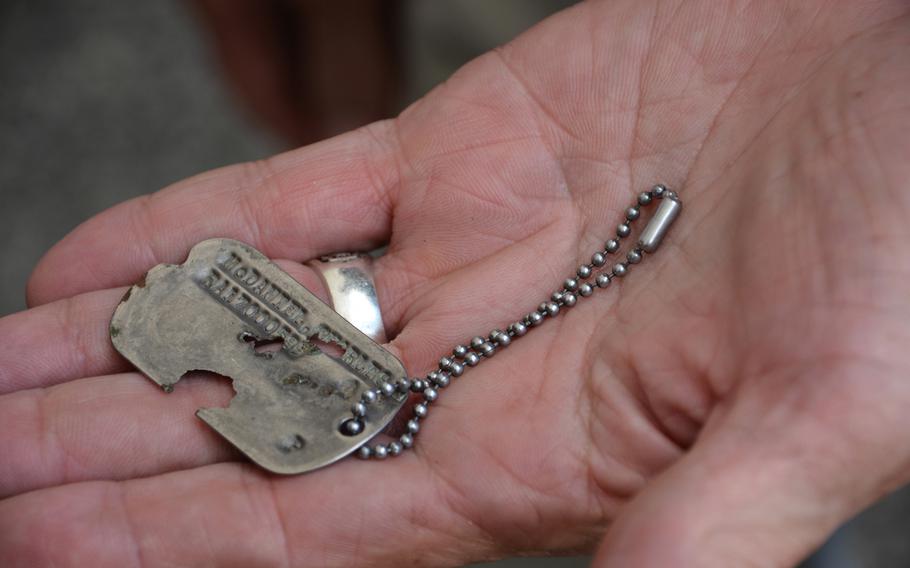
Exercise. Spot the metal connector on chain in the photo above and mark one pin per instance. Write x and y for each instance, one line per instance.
(576, 286)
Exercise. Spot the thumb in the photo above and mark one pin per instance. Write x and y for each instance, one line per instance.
(767, 481)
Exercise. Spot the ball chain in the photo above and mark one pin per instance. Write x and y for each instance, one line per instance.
(579, 285)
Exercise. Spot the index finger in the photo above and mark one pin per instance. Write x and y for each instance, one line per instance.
(334, 195)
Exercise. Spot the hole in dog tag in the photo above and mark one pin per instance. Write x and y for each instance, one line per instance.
(330, 349)
(263, 347)
(296, 365)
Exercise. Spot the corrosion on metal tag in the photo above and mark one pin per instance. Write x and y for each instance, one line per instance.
(213, 313)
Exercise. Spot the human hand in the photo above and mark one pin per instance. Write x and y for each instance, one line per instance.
(740, 394)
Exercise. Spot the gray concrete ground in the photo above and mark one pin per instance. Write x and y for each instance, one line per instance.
(102, 101)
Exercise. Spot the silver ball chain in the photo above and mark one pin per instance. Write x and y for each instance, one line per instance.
(479, 348)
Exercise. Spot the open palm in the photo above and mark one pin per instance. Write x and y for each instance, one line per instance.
(741, 393)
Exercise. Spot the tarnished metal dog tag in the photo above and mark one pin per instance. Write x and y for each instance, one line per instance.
(213, 313)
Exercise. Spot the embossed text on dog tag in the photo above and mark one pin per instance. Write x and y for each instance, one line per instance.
(215, 311)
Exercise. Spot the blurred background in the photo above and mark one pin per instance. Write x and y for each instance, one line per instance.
(102, 101)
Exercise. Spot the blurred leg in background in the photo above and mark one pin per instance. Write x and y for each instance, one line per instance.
(309, 69)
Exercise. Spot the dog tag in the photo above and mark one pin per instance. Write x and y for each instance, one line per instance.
(221, 311)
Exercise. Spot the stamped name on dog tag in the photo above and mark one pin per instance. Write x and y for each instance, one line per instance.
(215, 313)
